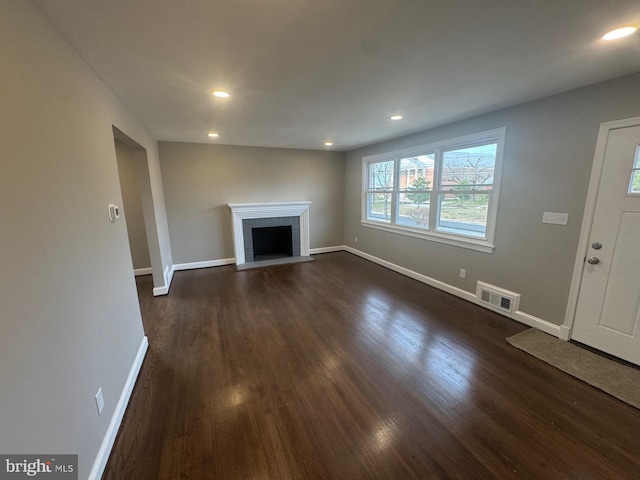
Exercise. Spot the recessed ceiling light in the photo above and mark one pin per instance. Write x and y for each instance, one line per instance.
(328, 144)
(213, 135)
(619, 33)
(396, 117)
(220, 93)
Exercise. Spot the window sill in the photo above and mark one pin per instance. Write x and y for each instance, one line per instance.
(439, 237)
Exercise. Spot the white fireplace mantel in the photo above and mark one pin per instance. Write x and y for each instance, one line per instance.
(241, 211)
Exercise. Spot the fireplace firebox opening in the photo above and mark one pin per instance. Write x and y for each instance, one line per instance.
(272, 242)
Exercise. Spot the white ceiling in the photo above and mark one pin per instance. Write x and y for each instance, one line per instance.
(304, 71)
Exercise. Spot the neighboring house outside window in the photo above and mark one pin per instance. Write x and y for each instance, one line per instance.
(445, 192)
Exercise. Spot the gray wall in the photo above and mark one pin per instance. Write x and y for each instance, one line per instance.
(549, 151)
(69, 317)
(201, 179)
(132, 205)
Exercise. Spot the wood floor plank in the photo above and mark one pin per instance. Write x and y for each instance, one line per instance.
(341, 369)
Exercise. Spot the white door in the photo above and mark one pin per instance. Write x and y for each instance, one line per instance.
(608, 311)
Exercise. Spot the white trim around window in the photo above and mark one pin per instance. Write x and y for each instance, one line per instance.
(433, 190)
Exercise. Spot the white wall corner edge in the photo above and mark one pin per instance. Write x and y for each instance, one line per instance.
(559, 331)
(114, 425)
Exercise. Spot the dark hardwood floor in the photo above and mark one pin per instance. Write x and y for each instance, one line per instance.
(341, 369)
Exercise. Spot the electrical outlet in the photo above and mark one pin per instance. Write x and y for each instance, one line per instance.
(356, 239)
(555, 218)
(100, 401)
(463, 273)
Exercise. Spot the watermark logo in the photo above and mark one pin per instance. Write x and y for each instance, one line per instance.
(50, 467)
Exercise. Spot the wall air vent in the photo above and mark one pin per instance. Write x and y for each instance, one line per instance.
(497, 299)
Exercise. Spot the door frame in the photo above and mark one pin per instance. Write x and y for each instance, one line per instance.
(141, 160)
(589, 212)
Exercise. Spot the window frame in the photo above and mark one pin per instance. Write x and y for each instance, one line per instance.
(433, 232)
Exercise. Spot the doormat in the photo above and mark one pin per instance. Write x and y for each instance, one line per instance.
(619, 380)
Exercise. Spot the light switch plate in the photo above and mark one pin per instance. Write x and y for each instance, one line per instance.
(114, 212)
(555, 218)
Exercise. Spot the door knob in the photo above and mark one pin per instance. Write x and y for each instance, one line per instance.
(597, 246)
(593, 260)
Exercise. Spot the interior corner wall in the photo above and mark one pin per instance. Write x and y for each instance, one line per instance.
(547, 164)
(158, 226)
(132, 205)
(70, 320)
(201, 179)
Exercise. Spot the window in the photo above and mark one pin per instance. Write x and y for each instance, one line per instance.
(634, 185)
(445, 192)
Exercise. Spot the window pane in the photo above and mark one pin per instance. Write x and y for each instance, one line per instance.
(381, 175)
(635, 182)
(415, 183)
(634, 186)
(465, 214)
(416, 172)
(379, 207)
(468, 167)
(413, 213)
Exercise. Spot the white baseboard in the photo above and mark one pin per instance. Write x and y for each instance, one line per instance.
(168, 277)
(169, 271)
(458, 292)
(114, 425)
(336, 248)
(157, 291)
(559, 331)
(142, 271)
(540, 324)
(565, 333)
(230, 261)
(205, 264)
